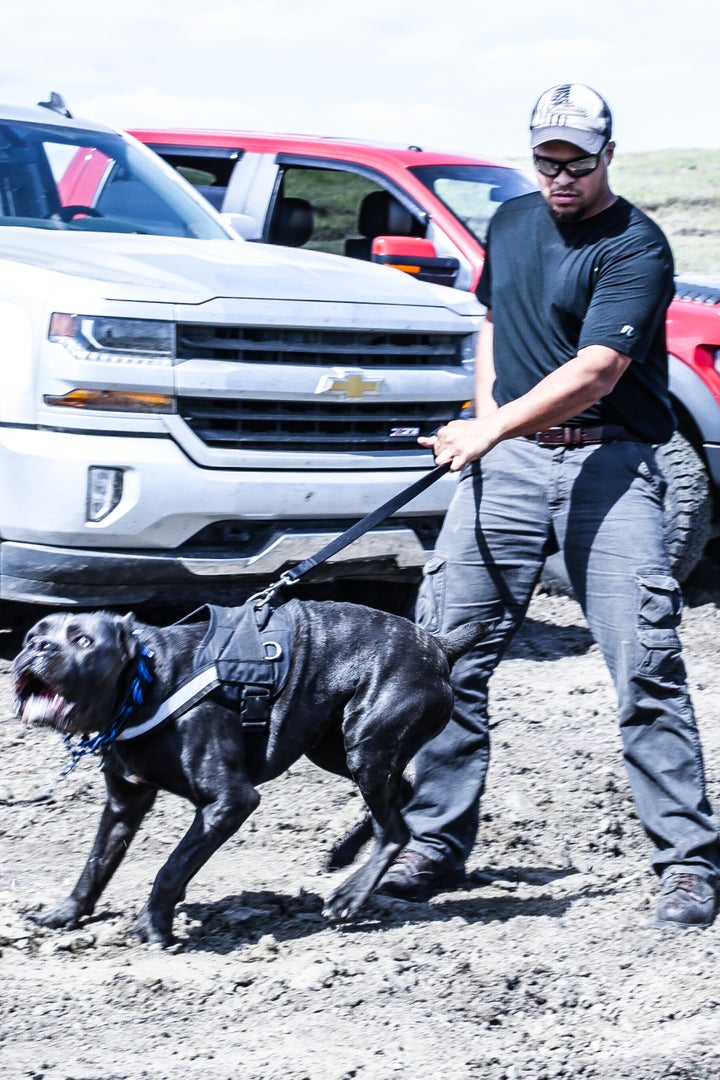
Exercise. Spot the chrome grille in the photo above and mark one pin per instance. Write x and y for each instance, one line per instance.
(340, 426)
(319, 423)
(326, 348)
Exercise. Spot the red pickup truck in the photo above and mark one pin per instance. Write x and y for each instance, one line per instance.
(427, 214)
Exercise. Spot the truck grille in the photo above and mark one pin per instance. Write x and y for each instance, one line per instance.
(342, 426)
(323, 348)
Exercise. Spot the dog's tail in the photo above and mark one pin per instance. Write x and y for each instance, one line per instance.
(459, 641)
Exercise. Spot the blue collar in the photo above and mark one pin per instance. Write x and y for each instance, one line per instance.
(134, 699)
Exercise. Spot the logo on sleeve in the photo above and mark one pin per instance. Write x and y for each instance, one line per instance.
(628, 331)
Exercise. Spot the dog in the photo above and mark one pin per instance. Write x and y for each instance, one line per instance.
(361, 691)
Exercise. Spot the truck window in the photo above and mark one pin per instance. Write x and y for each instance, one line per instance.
(334, 197)
(473, 192)
(52, 177)
(27, 185)
(209, 173)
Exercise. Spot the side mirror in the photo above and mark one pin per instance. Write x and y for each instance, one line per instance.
(244, 225)
(417, 256)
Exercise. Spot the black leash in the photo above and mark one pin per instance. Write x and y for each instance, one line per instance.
(375, 517)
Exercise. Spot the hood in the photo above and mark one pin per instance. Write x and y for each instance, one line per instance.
(184, 271)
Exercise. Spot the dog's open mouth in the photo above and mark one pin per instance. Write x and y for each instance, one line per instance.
(39, 703)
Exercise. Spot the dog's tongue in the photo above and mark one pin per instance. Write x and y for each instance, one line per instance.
(48, 709)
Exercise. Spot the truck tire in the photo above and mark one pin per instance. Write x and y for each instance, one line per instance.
(688, 503)
(688, 515)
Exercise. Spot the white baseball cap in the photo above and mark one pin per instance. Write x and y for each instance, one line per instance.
(574, 113)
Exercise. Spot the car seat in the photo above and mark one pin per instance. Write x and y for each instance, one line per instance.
(381, 214)
(292, 222)
(22, 193)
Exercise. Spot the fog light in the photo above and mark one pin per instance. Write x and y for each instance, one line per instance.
(104, 491)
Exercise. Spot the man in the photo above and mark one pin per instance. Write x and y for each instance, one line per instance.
(571, 393)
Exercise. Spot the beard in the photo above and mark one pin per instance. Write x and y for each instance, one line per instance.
(567, 217)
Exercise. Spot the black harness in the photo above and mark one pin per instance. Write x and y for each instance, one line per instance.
(250, 650)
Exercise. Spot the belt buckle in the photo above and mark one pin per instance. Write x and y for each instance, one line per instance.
(547, 437)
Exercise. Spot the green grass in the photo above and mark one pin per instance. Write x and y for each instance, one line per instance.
(680, 189)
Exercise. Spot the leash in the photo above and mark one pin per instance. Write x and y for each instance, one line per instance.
(375, 517)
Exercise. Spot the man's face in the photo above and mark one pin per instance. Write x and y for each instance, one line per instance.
(574, 198)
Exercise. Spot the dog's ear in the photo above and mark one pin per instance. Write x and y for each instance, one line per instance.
(126, 625)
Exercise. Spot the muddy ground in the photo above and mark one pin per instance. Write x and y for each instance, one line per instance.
(545, 965)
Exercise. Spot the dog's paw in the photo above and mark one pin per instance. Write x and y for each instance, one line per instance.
(152, 930)
(65, 916)
(343, 904)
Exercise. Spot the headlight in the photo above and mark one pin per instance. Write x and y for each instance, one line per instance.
(135, 341)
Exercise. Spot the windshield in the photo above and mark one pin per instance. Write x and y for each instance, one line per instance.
(69, 178)
(473, 192)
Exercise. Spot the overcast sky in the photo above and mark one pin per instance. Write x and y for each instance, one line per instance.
(451, 74)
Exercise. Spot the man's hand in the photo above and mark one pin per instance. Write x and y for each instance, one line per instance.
(462, 441)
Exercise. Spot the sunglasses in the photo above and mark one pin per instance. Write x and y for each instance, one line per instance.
(581, 166)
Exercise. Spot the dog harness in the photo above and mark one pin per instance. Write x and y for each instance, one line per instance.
(242, 663)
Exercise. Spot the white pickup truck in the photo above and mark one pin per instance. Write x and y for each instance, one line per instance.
(183, 411)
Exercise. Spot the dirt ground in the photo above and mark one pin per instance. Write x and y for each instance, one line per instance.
(544, 966)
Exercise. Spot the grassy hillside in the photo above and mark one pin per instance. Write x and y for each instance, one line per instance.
(680, 189)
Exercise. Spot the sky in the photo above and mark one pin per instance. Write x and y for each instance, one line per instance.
(445, 75)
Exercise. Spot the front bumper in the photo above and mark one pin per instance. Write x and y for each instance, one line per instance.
(35, 573)
(178, 527)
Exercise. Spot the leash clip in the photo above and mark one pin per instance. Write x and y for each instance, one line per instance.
(262, 599)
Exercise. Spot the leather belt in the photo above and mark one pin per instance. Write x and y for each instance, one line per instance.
(567, 435)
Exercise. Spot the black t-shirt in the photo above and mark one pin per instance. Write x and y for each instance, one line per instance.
(555, 288)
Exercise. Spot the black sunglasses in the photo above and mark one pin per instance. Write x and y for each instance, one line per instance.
(581, 166)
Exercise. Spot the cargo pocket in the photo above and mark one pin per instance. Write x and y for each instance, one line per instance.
(659, 612)
(430, 604)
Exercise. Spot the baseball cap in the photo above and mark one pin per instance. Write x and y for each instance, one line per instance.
(574, 113)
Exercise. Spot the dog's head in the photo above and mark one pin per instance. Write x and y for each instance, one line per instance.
(71, 671)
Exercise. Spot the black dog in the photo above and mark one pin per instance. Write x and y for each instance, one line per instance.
(361, 692)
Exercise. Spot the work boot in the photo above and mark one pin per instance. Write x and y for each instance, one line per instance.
(686, 899)
(414, 876)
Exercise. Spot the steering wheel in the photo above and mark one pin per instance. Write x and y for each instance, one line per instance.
(67, 213)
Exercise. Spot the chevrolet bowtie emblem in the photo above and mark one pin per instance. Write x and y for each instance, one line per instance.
(351, 384)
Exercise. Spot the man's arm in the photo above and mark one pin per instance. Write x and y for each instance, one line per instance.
(569, 390)
(485, 369)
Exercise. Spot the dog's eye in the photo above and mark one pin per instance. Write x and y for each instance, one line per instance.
(83, 641)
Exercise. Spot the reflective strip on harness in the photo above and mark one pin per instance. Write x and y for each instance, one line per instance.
(183, 699)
